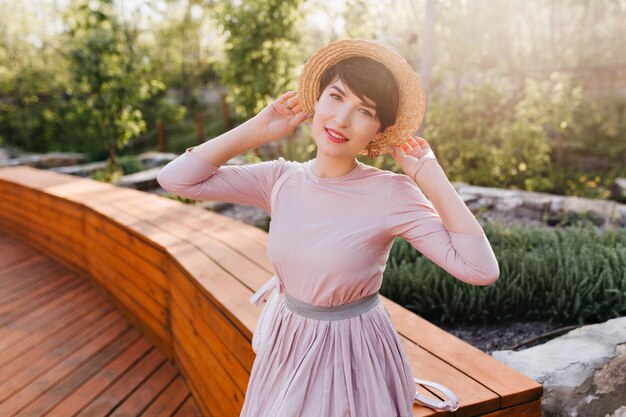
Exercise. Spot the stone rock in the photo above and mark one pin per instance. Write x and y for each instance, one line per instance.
(508, 204)
(156, 159)
(82, 170)
(143, 180)
(47, 160)
(537, 207)
(583, 372)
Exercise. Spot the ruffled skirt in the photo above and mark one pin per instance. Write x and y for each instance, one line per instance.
(353, 367)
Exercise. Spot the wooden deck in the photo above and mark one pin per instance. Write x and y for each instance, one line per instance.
(65, 350)
(183, 276)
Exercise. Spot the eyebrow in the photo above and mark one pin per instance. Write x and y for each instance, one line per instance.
(343, 93)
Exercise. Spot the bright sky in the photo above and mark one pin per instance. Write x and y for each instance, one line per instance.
(152, 11)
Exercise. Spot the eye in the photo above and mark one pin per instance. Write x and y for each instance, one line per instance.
(335, 95)
(367, 113)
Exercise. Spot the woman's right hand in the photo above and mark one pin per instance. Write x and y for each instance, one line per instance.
(280, 117)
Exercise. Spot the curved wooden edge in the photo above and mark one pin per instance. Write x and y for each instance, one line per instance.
(183, 276)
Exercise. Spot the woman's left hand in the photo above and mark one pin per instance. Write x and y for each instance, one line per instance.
(412, 154)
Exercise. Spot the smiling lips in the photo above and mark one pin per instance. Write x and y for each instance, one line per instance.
(338, 137)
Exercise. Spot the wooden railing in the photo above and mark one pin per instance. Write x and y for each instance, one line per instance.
(183, 276)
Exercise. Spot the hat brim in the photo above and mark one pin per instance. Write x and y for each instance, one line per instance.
(412, 101)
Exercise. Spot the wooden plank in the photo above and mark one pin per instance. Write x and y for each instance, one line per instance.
(37, 387)
(38, 179)
(105, 227)
(78, 376)
(45, 241)
(49, 242)
(220, 288)
(188, 409)
(218, 243)
(22, 277)
(32, 263)
(32, 351)
(159, 335)
(57, 282)
(134, 226)
(215, 222)
(207, 362)
(27, 351)
(208, 321)
(101, 380)
(530, 409)
(49, 217)
(121, 388)
(131, 262)
(205, 394)
(34, 201)
(169, 400)
(149, 311)
(144, 395)
(13, 254)
(56, 355)
(512, 386)
(43, 302)
(16, 280)
(139, 282)
(473, 397)
(42, 317)
(231, 232)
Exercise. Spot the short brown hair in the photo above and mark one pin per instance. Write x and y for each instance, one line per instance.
(367, 78)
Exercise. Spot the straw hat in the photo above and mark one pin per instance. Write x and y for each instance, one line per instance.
(412, 102)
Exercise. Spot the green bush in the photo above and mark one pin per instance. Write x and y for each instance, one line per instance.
(571, 275)
(546, 136)
(130, 164)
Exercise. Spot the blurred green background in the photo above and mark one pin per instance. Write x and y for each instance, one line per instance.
(523, 95)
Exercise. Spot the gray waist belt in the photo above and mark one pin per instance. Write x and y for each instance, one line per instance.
(340, 312)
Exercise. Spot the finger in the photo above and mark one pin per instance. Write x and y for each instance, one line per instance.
(283, 99)
(297, 119)
(296, 109)
(422, 141)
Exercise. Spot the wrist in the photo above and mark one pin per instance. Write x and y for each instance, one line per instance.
(258, 130)
(427, 168)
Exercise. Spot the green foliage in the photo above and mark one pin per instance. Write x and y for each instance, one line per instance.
(108, 80)
(568, 275)
(487, 136)
(495, 114)
(129, 164)
(109, 174)
(31, 114)
(260, 50)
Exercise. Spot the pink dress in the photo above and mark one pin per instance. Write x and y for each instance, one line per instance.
(329, 242)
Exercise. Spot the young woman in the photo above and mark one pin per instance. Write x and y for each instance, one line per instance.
(331, 348)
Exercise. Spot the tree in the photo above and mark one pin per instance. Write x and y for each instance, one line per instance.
(260, 50)
(107, 75)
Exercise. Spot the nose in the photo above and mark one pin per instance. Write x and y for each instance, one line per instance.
(344, 116)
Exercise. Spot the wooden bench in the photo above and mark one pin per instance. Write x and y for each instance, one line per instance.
(65, 350)
(183, 276)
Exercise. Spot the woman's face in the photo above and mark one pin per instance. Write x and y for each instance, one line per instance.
(340, 112)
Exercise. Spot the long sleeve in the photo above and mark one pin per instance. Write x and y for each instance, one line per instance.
(192, 177)
(411, 216)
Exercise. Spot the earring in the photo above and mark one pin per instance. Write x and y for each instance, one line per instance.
(373, 149)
